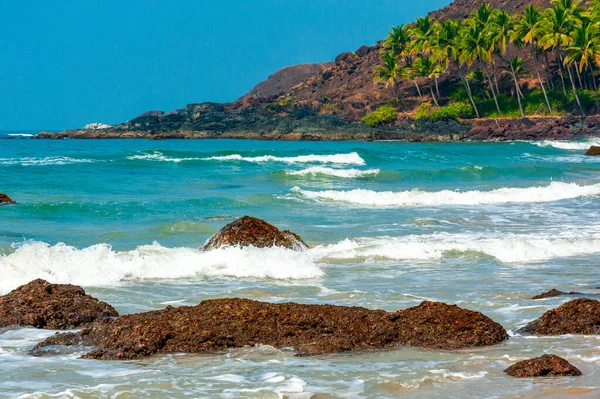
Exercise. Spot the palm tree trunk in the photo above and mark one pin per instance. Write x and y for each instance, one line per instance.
(468, 88)
(400, 95)
(578, 77)
(437, 87)
(547, 71)
(575, 91)
(514, 75)
(418, 89)
(493, 92)
(537, 71)
(433, 96)
(560, 71)
(495, 75)
(595, 87)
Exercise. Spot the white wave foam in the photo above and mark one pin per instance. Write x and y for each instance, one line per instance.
(567, 145)
(345, 159)
(508, 249)
(555, 191)
(324, 171)
(103, 266)
(20, 135)
(46, 161)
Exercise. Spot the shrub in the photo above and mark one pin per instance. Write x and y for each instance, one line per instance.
(450, 112)
(381, 116)
(285, 101)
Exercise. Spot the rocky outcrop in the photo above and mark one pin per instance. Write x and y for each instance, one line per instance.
(221, 324)
(593, 151)
(543, 366)
(96, 126)
(52, 306)
(554, 293)
(249, 230)
(5, 199)
(286, 78)
(579, 316)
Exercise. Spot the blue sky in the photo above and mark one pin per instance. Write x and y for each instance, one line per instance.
(67, 63)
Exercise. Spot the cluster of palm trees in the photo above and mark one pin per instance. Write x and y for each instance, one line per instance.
(561, 44)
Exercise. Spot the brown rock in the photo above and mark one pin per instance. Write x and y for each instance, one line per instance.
(249, 230)
(579, 316)
(51, 306)
(543, 366)
(5, 199)
(220, 324)
(593, 151)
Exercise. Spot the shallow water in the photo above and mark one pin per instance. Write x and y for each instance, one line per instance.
(482, 225)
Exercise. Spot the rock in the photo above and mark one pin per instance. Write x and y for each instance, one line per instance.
(579, 316)
(554, 292)
(5, 199)
(363, 50)
(221, 324)
(593, 151)
(348, 56)
(51, 306)
(96, 126)
(543, 366)
(249, 230)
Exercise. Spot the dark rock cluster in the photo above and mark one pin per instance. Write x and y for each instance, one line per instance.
(220, 324)
(5, 199)
(543, 366)
(579, 316)
(249, 230)
(593, 151)
(52, 306)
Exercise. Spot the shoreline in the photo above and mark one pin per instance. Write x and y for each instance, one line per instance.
(478, 130)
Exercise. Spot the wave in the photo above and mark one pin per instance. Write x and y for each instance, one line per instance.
(20, 135)
(517, 248)
(316, 171)
(46, 161)
(567, 145)
(555, 191)
(345, 159)
(62, 263)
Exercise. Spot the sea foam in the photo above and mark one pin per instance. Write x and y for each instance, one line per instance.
(567, 145)
(46, 161)
(345, 159)
(341, 173)
(555, 191)
(100, 265)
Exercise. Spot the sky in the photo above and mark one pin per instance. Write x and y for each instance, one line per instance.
(66, 63)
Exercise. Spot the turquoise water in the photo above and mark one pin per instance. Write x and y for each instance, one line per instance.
(482, 225)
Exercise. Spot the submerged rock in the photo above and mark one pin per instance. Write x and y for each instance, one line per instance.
(5, 199)
(593, 151)
(543, 366)
(249, 230)
(554, 293)
(220, 324)
(52, 306)
(579, 316)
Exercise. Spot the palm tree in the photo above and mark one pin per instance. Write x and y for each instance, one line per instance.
(420, 34)
(390, 73)
(476, 48)
(524, 31)
(426, 67)
(397, 41)
(584, 50)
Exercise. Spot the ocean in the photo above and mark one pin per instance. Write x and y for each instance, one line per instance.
(391, 224)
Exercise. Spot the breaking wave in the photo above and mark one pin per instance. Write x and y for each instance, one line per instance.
(345, 159)
(315, 171)
(567, 145)
(46, 161)
(100, 265)
(555, 191)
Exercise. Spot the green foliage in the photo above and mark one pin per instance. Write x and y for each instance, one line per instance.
(454, 111)
(284, 101)
(381, 116)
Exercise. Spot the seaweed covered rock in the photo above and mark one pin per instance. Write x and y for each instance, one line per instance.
(554, 293)
(249, 230)
(593, 151)
(5, 199)
(220, 324)
(579, 316)
(543, 366)
(52, 306)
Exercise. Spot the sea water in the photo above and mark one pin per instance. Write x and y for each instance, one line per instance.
(391, 224)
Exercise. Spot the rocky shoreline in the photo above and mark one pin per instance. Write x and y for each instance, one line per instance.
(308, 126)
